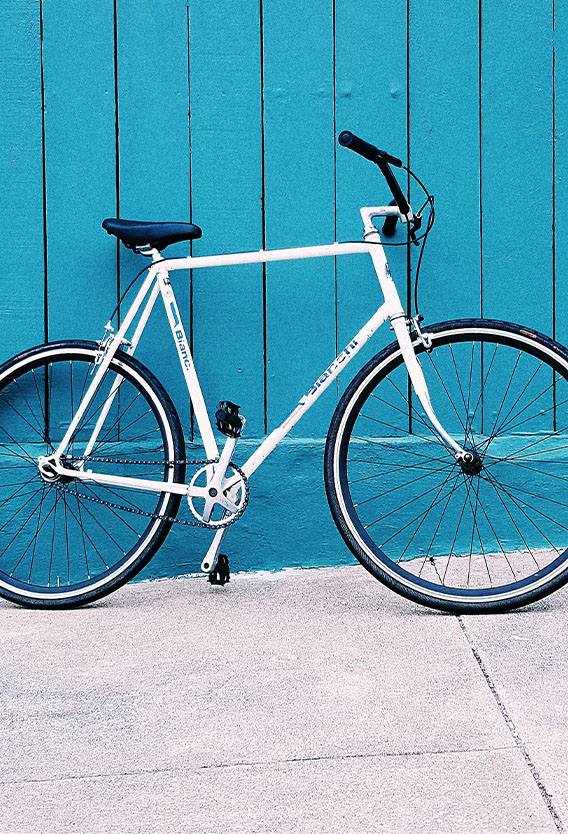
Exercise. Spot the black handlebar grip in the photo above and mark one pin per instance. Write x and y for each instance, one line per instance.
(380, 158)
(389, 226)
(370, 152)
(349, 140)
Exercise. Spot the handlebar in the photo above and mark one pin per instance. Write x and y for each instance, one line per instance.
(384, 161)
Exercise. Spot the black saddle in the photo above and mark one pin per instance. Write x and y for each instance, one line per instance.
(136, 234)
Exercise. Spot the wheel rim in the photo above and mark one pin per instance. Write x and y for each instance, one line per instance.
(490, 536)
(57, 541)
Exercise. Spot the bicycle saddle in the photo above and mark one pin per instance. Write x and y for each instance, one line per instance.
(135, 233)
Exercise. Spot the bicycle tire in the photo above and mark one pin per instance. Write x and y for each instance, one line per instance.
(504, 542)
(63, 544)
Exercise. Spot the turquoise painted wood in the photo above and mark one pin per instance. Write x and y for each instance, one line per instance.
(371, 100)
(226, 115)
(560, 170)
(80, 168)
(21, 174)
(226, 194)
(444, 151)
(153, 156)
(299, 202)
(516, 148)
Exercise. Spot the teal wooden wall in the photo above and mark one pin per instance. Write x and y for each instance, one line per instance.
(226, 114)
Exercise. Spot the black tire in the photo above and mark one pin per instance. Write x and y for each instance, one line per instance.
(61, 543)
(503, 542)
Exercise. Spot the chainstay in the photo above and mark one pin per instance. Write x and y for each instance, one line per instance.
(137, 511)
(145, 462)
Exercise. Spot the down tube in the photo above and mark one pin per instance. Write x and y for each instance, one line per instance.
(317, 389)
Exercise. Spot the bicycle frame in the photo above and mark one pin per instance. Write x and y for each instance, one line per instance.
(157, 283)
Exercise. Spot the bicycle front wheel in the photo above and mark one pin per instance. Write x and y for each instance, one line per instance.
(66, 542)
(483, 538)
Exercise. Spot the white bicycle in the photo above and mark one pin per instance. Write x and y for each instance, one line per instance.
(445, 463)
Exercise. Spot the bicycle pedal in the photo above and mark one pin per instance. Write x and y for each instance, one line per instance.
(229, 421)
(221, 574)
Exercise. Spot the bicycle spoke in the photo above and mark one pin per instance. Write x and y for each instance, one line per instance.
(394, 448)
(434, 439)
(513, 521)
(465, 501)
(484, 383)
(394, 489)
(529, 493)
(114, 512)
(413, 409)
(438, 374)
(442, 514)
(510, 380)
(93, 545)
(529, 519)
(535, 509)
(43, 419)
(466, 436)
(424, 516)
(52, 538)
(26, 421)
(468, 423)
(474, 530)
(504, 421)
(404, 412)
(33, 540)
(540, 414)
(397, 468)
(400, 530)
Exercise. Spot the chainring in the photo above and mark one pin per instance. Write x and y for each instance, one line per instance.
(239, 487)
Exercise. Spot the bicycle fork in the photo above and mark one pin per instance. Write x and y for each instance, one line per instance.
(399, 324)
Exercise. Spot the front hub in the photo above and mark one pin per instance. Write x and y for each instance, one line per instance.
(470, 462)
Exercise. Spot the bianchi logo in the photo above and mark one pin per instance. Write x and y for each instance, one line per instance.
(330, 371)
(180, 336)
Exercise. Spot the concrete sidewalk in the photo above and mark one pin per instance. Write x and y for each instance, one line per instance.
(303, 701)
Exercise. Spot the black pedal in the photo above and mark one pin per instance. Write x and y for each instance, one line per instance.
(221, 575)
(228, 420)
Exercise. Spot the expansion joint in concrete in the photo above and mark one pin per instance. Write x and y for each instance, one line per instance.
(546, 796)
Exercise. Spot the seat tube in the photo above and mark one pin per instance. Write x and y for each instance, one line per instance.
(187, 364)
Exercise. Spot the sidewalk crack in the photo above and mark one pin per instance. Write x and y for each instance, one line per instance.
(510, 724)
(342, 756)
(185, 766)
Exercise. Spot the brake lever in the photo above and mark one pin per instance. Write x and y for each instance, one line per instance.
(416, 223)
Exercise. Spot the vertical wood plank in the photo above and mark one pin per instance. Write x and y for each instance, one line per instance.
(516, 113)
(561, 170)
(153, 102)
(370, 101)
(80, 166)
(22, 297)
(444, 153)
(299, 203)
(226, 147)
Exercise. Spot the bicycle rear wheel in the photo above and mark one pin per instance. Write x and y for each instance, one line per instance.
(481, 539)
(63, 543)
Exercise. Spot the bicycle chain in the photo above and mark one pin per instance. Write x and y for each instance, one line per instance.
(137, 511)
